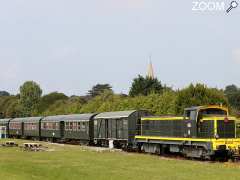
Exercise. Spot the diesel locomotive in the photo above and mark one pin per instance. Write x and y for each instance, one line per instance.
(204, 132)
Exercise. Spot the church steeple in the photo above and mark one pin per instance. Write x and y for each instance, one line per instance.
(150, 73)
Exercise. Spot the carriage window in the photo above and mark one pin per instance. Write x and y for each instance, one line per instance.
(54, 126)
(15, 125)
(66, 125)
(75, 126)
(30, 126)
(83, 126)
(47, 126)
(79, 126)
(71, 125)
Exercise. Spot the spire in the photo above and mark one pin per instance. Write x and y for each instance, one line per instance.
(150, 73)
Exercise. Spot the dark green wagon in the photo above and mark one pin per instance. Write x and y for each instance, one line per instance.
(78, 127)
(16, 128)
(52, 128)
(74, 127)
(31, 127)
(118, 127)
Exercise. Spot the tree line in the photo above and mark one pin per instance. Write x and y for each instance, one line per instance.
(145, 93)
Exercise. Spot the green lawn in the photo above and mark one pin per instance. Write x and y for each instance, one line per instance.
(73, 162)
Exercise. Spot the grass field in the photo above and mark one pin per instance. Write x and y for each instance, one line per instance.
(73, 162)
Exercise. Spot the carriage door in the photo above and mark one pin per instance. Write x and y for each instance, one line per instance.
(62, 128)
(3, 132)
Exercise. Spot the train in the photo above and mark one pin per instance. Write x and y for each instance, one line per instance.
(203, 132)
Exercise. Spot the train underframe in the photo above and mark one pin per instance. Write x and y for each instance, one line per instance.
(116, 143)
(188, 149)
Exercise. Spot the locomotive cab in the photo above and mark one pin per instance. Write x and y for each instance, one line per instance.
(196, 123)
(197, 113)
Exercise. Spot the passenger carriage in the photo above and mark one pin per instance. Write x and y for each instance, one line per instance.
(31, 127)
(78, 127)
(16, 128)
(75, 127)
(52, 128)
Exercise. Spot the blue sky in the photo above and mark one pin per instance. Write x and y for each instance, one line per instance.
(68, 46)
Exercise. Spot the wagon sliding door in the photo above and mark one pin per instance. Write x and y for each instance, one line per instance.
(100, 129)
(112, 131)
(119, 129)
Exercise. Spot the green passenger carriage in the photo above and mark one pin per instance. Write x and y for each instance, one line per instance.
(31, 126)
(16, 128)
(78, 127)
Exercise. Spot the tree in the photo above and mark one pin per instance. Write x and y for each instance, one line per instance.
(30, 94)
(4, 93)
(99, 89)
(14, 109)
(49, 99)
(71, 105)
(10, 107)
(145, 86)
(233, 94)
(231, 89)
(197, 95)
(95, 103)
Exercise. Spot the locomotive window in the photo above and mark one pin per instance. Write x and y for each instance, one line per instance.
(238, 129)
(191, 114)
(213, 111)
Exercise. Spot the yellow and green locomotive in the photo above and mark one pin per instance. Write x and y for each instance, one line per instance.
(202, 132)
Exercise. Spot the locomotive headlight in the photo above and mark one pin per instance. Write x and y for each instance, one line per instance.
(216, 136)
(226, 119)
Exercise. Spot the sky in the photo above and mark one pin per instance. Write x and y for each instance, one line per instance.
(70, 45)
